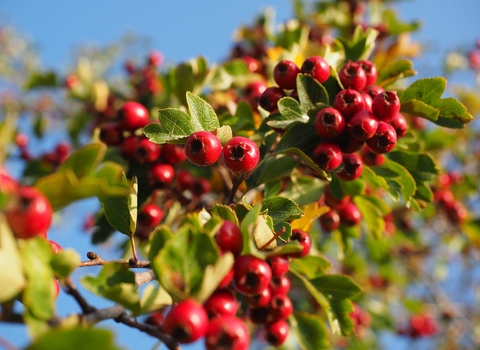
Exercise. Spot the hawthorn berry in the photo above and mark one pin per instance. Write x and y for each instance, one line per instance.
(146, 151)
(186, 322)
(259, 300)
(400, 125)
(352, 76)
(280, 307)
(352, 167)
(221, 303)
(317, 67)
(330, 221)
(285, 74)
(384, 140)
(252, 93)
(229, 238)
(329, 123)
(279, 264)
(386, 105)
(203, 148)
(150, 215)
(200, 186)
(128, 147)
(371, 158)
(279, 285)
(111, 134)
(251, 274)
(227, 332)
(132, 116)
(173, 154)
(160, 175)
(276, 332)
(225, 282)
(269, 98)
(240, 154)
(348, 102)
(333, 201)
(305, 241)
(373, 90)
(349, 214)
(327, 155)
(156, 319)
(31, 215)
(362, 126)
(370, 71)
(185, 179)
(347, 143)
(253, 64)
(367, 101)
(56, 288)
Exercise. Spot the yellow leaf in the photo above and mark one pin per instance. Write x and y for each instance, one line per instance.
(312, 212)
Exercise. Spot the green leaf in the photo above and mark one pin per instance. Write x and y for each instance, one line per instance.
(395, 26)
(393, 71)
(384, 179)
(310, 331)
(361, 44)
(272, 188)
(310, 92)
(153, 299)
(214, 274)
(203, 115)
(12, 279)
(301, 136)
(115, 282)
(290, 113)
(305, 190)
(175, 125)
(281, 209)
(310, 266)
(371, 215)
(307, 160)
(247, 226)
(75, 338)
(160, 236)
(340, 189)
(224, 134)
(453, 114)
(426, 90)
(403, 179)
(42, 80)
(340, 310)
(277, 168)
(38, 296)
(63, 263)
(337, 286)
(418, 162)
(420, 109)
(84, 160)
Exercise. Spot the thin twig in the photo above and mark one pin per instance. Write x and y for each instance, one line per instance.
(96, 260)
(237, 180)
(73, 291)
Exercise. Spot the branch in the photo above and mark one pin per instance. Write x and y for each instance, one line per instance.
(96, 260)
(144, 277)
(73, 291)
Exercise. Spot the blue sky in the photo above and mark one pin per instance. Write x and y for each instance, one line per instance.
(183, 29)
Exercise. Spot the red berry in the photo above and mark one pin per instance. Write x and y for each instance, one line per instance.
(305, 241)
(203, 148)
(352, 167)
(362, 125)
(259, 300)
(155, 58)
(285, 74)
(371, 158)
(146, 151)
(384, 140)
(128, 147)
(251, 274)
(227, 332)
(56, 248)
(156, 319)
(225, 282)
(132, 116)
(173, 154)
(400, 125)
(276, 332)
(370, 71)
(329, 123)
(348, 144)
(386, 106)
(240, 154)
(150, 215)
(352, 76)
(186, 322)
(253, 64)
(185, 179)
(252, 93)
(160, 175)
(349, 214)
(317, 67)
(327, 155)
(229, 238)
(280, 307)
(348, 102)
(32, 214)
(111, 134)
(373, 90)
(56, 288)
(269, 98)
(221, 303)
(368, 100)
(200, 186)
(334, 202)
(456, 211)
(279, 285)
(330, 221)
(279, 264)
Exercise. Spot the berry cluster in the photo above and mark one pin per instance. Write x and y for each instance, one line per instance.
(145, 79)
(49, 160)
(361, 320)
(421, 325)
(443, 195)
(342, 211)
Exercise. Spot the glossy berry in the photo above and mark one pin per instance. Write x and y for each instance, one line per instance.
(370, 71)
(128, 147)
(259, 300)
(330, 221)
(229, 238)
(334, 201)
(348, 102)
(252, 93)
(258, 316)
(352, 167)
(279, 285)
(227, 332)
(329, 123)
(317, 67)
(280, 307)
(349, 214)
(225, 282)
(400, 125)
(111, 134)
(269, 98)
(305, 241)
(352, 76)
(146, 151)
(327, 155)
(367, 100)
(132, 116)
(348, 144)
(150, 215)
(156, 319)
(186, 322)
(362, 126)
(373, 90)
(279, 264)
(185, 179)
(251, 274)
(221, 303)
(386, 106)
(56, 288)
(160, 175)
(253, 64)
(285, 74)
(203, 148)
(200, 186)
(384, 140)
(276, 333)
(240, 154)
(55, 247)
(371, 158)
(173, 154)
(32, 214)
